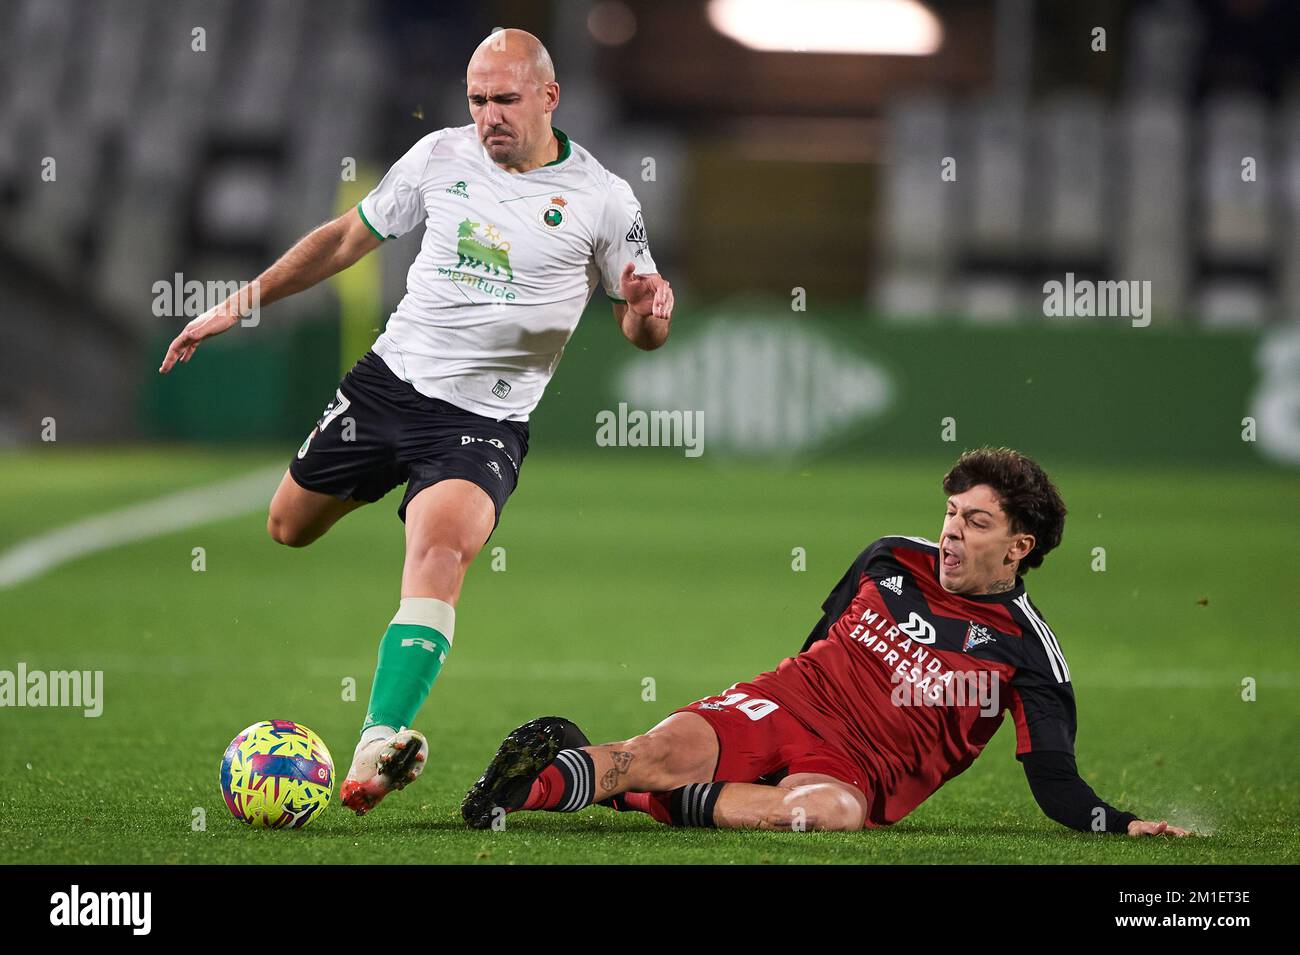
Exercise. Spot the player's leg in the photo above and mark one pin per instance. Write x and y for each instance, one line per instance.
(297, 516)
(547, 765)
(447, 524)
(801, 801)
(821, 788)
(666, 772)
(348, 459)
(680, 750)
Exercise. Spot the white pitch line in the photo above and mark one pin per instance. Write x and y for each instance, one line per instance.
(136, 522)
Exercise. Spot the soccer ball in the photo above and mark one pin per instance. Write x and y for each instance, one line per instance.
(277, 774)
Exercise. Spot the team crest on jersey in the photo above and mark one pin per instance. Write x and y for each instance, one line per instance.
(481, 246)
(552, 214)
(976, 636)
(459, 189)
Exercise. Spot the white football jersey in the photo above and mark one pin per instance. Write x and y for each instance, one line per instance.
(508, 263)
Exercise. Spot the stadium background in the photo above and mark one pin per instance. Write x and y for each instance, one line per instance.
(848, 320)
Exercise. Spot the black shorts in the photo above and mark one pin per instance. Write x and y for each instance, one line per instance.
(378, 431)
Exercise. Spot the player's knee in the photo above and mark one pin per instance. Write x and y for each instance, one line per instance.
(285, 532)
(822, 807)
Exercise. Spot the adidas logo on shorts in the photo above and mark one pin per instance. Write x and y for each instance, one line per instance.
(893, 583)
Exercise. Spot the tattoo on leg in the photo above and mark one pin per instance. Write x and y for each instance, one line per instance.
(622, 762)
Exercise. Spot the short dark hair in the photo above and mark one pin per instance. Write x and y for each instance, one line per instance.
(1028, 495)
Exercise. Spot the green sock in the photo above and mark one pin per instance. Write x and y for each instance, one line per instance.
(411, 653)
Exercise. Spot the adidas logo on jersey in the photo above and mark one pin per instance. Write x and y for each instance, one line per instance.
(893, 583)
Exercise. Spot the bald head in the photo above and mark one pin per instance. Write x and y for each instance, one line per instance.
(517, 51)
(510, 84)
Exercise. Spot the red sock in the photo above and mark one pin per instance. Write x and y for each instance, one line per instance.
(546, 791)
(655, 804)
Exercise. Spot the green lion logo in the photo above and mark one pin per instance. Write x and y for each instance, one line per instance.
(485, 250)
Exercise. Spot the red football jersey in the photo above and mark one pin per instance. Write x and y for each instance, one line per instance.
(911, 681)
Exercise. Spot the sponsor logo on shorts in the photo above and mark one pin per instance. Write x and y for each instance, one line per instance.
(496, 443)
(470, 439)
(494, 468)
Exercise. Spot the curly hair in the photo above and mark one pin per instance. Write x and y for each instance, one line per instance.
(1028, 495)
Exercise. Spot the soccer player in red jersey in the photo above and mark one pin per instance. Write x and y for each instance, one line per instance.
(921, 649)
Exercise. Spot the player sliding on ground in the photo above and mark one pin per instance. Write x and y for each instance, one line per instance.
(920, 650)
(520, 225)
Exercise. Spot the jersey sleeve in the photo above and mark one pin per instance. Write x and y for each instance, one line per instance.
(1042, 697)
(1064, 797)
(1043, 711)
(621, 238)
(838, 600)
(396, 205)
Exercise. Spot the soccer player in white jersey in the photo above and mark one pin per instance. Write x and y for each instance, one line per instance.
(521, 226)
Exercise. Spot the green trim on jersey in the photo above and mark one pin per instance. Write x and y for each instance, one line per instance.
(615, 298)
(565, 148)
(362, 212)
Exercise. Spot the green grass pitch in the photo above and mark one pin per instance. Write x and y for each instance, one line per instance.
(622, 566)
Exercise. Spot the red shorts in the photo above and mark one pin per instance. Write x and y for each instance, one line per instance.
(757, 738)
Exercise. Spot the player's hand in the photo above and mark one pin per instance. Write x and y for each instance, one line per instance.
(212, 322)
(646, 294)
(1141, 827)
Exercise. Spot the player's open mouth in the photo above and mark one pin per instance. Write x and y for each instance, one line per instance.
(950, 560)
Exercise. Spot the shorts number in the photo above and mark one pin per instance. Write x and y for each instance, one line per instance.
(341, 404)
(332, 411)
(754, 708)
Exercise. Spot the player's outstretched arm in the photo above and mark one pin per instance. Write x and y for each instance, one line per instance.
(325, 251)
(1064, 797)
(648, 312)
